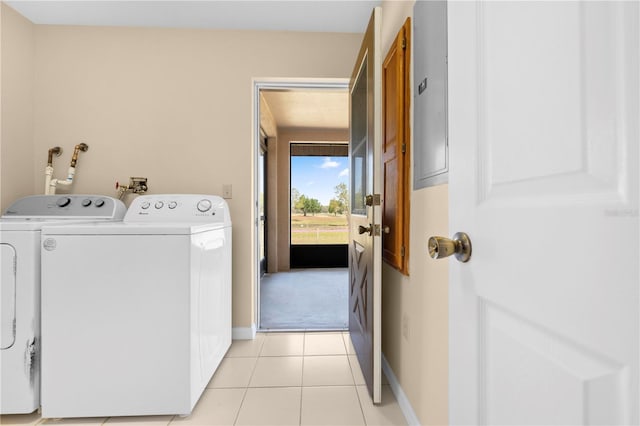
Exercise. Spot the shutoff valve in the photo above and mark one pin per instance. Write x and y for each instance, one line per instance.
(137, 185)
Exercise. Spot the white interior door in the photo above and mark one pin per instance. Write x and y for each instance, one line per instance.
(543, 125)
(365, 245)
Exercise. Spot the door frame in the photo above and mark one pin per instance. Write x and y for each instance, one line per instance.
(258, 85)
(263, 152)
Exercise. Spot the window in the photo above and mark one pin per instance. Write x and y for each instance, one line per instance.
(319, 205)
(319, 196)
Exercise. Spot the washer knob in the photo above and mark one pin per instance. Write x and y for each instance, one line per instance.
(63, 201)
(173, 205)
(86, 202)
(204, 205)
(145, 205)
(159, 205)
(99, 202)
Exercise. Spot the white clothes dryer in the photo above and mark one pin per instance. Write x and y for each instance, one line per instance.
(143, 322)
(20, 227)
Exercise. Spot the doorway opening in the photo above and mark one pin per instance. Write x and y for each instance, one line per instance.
(301, 263)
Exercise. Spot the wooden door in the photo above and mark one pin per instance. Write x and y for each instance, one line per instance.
(543, 125)
(395, 150)
(365, 257)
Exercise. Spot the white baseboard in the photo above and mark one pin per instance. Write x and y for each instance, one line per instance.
(244, 333)
(401, 397)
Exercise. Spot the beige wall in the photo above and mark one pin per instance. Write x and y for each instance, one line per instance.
(16, 120)
(172, 105)
(176, 106)
(415, 308)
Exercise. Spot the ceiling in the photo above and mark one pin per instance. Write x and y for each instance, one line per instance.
(299, 108)
(349, 16)
(304, 108)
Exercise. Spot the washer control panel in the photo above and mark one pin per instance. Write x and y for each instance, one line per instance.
(178, 208)
(67, 206)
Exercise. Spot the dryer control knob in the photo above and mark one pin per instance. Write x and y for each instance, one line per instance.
(159, 205)
(172, 205)
(63, 201)
(145, 205)
(99, 202)
(204, 205)
(86, 202)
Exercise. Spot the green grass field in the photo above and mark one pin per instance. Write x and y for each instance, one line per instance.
(319, 229)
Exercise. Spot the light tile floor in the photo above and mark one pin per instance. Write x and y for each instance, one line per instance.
(276, 379)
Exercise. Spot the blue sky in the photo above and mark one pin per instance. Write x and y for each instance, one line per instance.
(316, 177)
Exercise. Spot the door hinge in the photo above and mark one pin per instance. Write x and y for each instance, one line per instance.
(402, 251)
(404, 148)
(404, 43)
(372, 200)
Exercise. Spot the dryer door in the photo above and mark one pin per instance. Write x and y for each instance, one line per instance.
(8, 301)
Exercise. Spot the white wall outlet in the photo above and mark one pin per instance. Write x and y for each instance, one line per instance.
(405, 326)
(226, 190)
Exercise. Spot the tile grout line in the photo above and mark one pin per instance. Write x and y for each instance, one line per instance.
(291, 386)
(353, 376)
(364, 418)
(264, 342)
(304, 342)
(300, 411)
(246, 388)
(244, 396)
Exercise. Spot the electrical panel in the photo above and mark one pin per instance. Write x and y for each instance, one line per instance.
(431, 150)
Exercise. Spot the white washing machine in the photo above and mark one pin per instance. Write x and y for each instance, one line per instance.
(20, 227)
(136, 317)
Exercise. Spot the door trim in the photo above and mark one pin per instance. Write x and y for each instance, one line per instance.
(282, 84)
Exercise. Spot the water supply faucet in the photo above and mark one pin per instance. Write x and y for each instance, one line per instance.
(55, 150)
(80, 147)
(48, 171)
(137, 185)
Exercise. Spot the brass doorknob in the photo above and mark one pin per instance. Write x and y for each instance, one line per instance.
(362, 229)
(460, 246)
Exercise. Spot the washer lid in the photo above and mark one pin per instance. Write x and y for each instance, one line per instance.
(122, 228)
